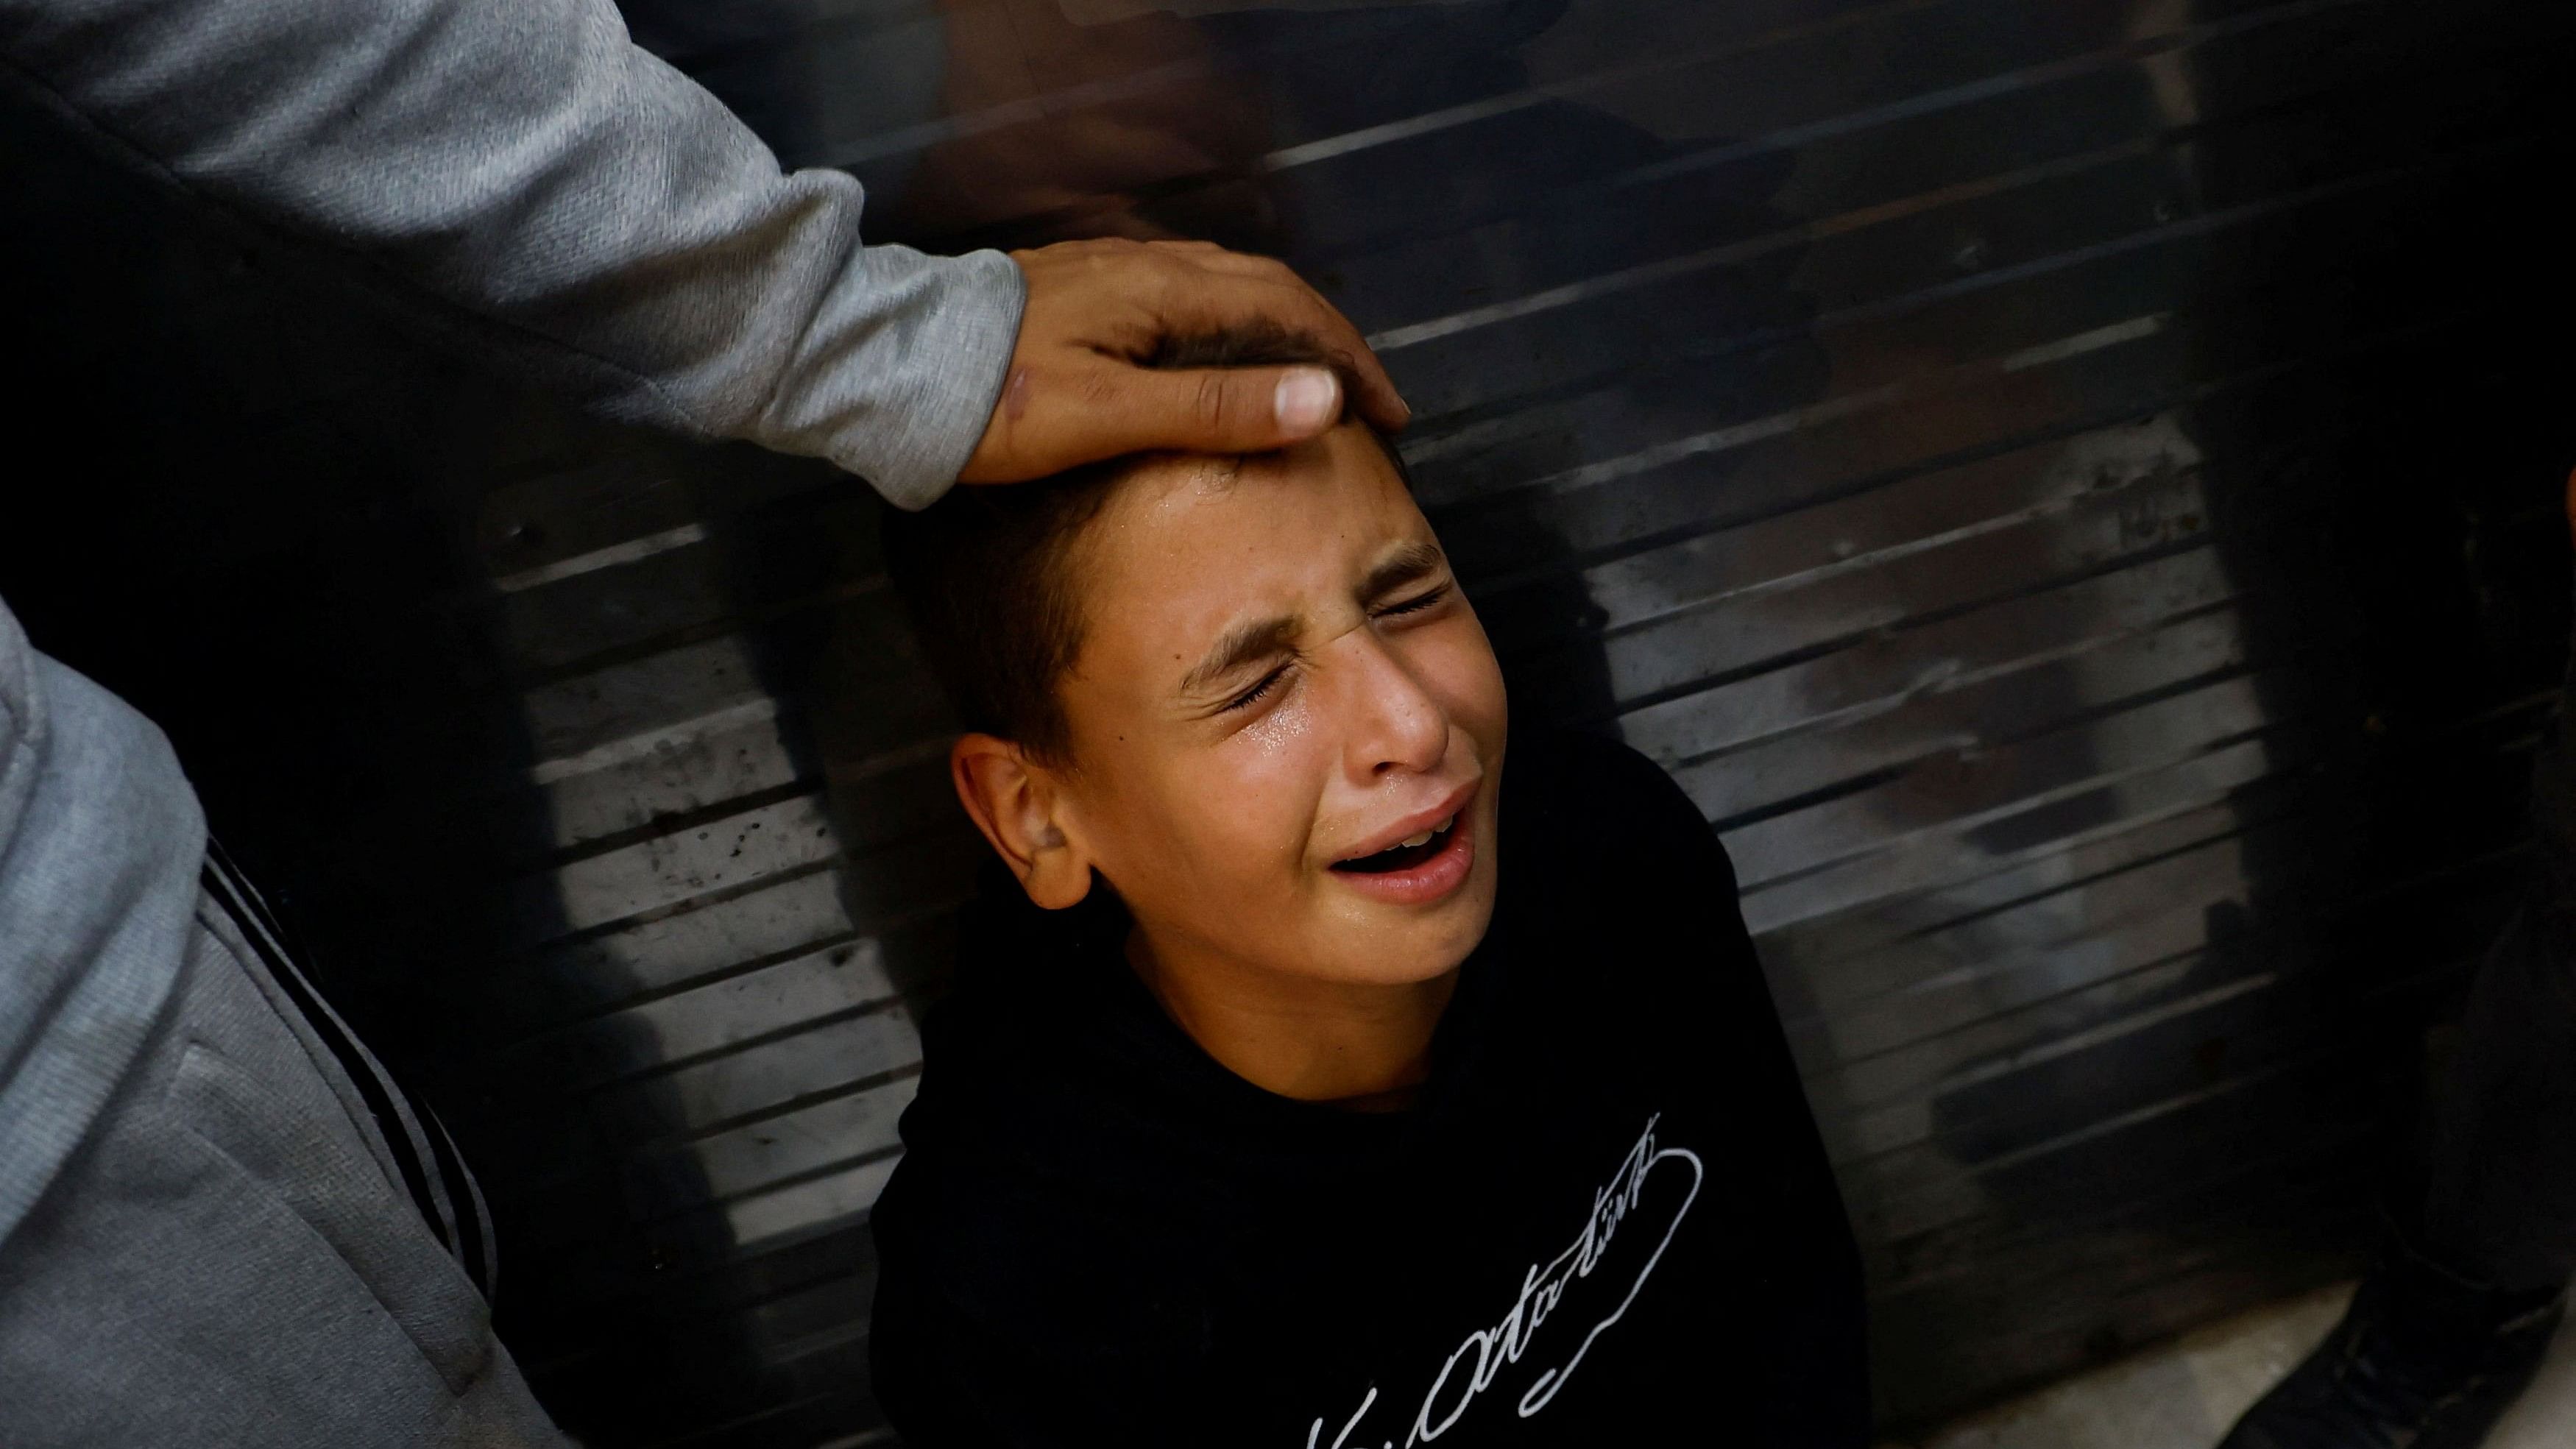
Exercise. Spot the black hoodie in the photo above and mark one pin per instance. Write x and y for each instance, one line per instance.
(1606, 1219)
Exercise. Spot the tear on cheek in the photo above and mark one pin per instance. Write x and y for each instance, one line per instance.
(1276, 731)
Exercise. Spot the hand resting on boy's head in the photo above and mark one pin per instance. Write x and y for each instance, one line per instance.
(1082, 385)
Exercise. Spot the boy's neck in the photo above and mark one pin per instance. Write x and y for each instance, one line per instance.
(1358, 1045)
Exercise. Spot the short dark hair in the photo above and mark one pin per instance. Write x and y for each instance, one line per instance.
(985, 571)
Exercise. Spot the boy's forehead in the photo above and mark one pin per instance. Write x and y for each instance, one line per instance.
(1195, 539)
(1158, 482)
(1343, 474)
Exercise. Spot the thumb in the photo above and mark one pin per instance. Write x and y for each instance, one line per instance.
(1065, 419)
(1217, 409)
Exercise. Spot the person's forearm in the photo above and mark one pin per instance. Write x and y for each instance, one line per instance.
(525, 178)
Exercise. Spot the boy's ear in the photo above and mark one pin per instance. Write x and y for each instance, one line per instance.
(1014, 801)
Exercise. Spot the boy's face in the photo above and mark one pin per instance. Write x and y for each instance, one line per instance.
(1279, 685)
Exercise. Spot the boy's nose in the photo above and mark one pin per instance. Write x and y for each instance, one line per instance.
(1397, 727)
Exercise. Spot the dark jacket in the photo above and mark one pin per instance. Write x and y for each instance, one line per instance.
(1608, 1219)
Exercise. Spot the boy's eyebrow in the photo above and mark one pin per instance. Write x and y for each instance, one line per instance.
(1245, 643)
(1417, 560)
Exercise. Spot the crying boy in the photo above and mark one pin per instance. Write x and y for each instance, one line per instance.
(1324, 1083)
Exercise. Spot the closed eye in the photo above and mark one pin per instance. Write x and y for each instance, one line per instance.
(1419, 602)
(1254, 695)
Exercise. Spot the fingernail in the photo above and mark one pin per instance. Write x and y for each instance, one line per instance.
(1306, 400)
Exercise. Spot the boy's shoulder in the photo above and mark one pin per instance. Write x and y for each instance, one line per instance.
(1566, 765)
(1047, 1078)
(1594, 805)
(1617, 899)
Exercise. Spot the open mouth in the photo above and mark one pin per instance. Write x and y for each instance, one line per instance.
(1403, 855)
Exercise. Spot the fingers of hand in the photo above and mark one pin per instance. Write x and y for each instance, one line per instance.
(1230, 289)
(1374, 392)
(1093, 304)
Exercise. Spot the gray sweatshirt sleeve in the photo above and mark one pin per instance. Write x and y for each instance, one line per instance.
(522, 177)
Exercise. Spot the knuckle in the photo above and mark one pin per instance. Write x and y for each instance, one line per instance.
(1098, 387)
(1212, 401)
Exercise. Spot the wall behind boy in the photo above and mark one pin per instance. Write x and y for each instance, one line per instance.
(2068, 487)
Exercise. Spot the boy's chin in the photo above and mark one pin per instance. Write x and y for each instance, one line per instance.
(1409, 954)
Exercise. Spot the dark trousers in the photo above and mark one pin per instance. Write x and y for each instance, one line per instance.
(2499, 1150)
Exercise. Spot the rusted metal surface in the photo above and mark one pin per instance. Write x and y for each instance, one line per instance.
(2068, 488)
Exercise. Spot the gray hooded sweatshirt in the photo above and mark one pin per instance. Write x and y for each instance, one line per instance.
(520, 178)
